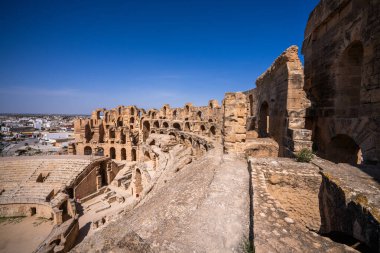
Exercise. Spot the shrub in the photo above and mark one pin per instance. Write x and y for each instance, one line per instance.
(304, 156)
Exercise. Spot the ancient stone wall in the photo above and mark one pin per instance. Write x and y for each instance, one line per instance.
(342, 79)
(280, 104)
(234, 122)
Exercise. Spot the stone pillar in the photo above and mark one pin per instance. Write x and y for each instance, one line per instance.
(234, 122)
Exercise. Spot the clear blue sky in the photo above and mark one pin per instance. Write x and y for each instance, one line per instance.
(71, 56)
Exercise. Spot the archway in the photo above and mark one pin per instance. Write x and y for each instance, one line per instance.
(212, 130)
(87, 150)
(112, 134)
(187, 127)
(349, 78)
(120, 122)
(133, 155)
(112, 153)
(199, 115)
(203, 128)
(264, 120)
(343, 149)
(138, 183)
(99, 151)
(165, 125)
(87, 133)
(174, 114)
(123, 154)
(177, 126)
(132, 111)
(132, 120)
(146, 130)
(156, 124)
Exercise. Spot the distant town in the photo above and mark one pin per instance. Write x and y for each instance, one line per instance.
(35, 134)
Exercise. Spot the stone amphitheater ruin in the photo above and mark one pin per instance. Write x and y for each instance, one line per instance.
(223, 177)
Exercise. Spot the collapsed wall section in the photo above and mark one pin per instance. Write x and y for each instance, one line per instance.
(282, 104)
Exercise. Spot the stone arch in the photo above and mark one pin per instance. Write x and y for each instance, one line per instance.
(187, 109)
(112, 153)
(156, 124)
(120, 122)
(187, 127)
(87, 133)
(99, 151)
(203, 128)
(349, 79)
(177, 126)
(132, 120)
(123, 154)
(132, 111)
(164, 111)
(153, 115)
(87, 150)
(165, 125)
(123, 137)
(138, 183)
(146, 130)
(173, 134)
(174, 114)
(182, 138)
(264, 120)
(212, 130)
(133, 155)
(343, 149)
(199, 116)
(111, 133)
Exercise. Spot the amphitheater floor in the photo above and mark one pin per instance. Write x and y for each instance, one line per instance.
(23, 234)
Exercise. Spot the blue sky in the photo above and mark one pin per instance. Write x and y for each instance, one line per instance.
(67, 56)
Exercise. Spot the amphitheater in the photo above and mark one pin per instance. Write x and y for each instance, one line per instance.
(226, 177)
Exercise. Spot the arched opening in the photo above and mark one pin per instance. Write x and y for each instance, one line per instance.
(112, 153)
(349, 80)
(132, 111)
(99, 151)
(138, 183)
(164, 111)
(182, 139)
(165, 125)
(156, 124)
(203, 128)
(251, 104)
(112, 133)
(177, 126)
(187, 109)
(264, 120)
(343, 149)
(199, 115)
(175, 114)
(173, 134)
(146, 156)
(146, 130)
(132, 120)
(153, 142)
(133, 155)
(211, 105)
(87, 133)
(123, 138)
(209, 120)
(123, 154)
(120, 122)
(153, 115)
(87, 150)
(187, 127)
(212, 130)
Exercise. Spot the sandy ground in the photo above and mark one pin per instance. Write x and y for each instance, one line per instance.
(23, 234)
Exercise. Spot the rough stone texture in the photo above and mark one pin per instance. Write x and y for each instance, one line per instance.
(280, 225)
(350, 201)
(342, 78)
(202, 208)
(234, 120)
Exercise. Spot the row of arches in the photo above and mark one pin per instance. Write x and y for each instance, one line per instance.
(99, 151)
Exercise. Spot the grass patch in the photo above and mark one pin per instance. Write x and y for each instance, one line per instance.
(11, 220)
(304, 156)
(246, 246)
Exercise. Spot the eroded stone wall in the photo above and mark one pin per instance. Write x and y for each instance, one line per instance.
(342, 79)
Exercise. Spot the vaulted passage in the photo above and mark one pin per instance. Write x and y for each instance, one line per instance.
(123, 154)
(112, 153)
(264, 120)
(87, 151)
(343, 149)
(349, 80)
